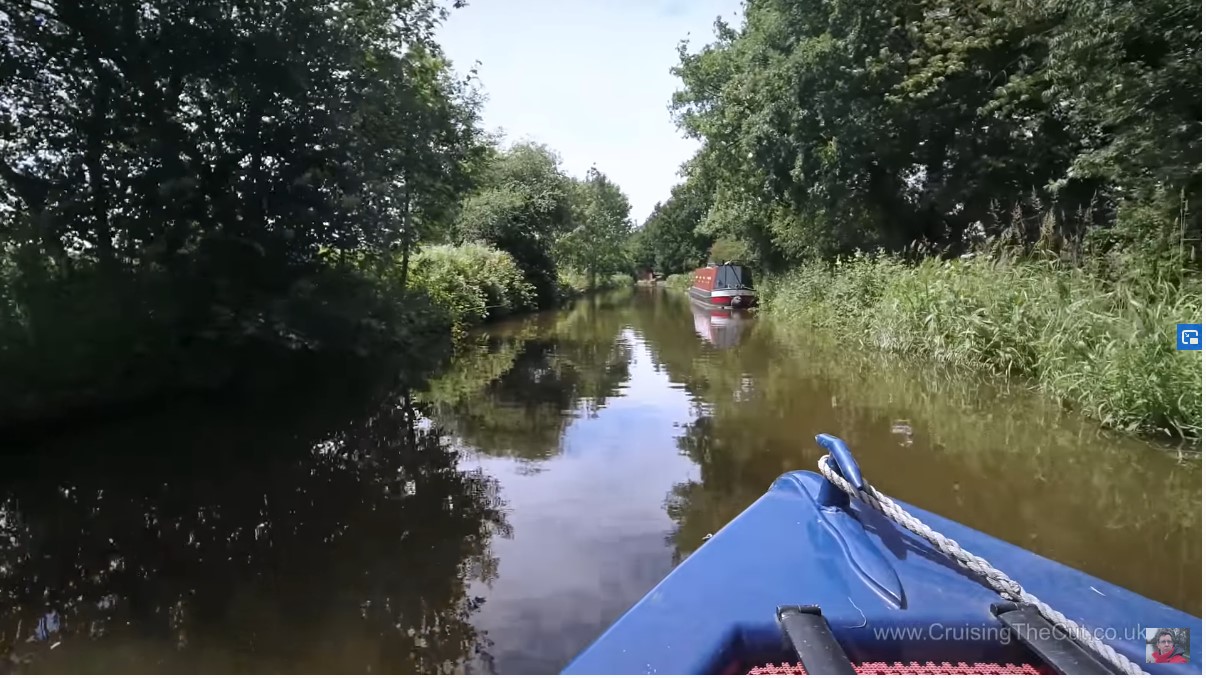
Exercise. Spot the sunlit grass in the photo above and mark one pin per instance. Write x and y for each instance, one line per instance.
(1105, 348)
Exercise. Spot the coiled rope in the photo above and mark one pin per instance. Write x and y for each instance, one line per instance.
(998, 580)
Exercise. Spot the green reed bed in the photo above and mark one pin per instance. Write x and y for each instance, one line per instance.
(1104, 347)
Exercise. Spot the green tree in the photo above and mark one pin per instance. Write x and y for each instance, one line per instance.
(1130, 74)
(430, 120)
(669, 240)
(833, 126)
(521, 206)
(174, 177)
(595, 244)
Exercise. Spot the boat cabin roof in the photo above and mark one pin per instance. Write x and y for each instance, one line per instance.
(728, 275)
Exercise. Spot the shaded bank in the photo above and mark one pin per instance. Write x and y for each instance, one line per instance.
(82, 344)
(172, 182)
(213, 372)
(77, 373)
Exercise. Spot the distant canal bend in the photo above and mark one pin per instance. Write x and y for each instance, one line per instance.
(500, 519)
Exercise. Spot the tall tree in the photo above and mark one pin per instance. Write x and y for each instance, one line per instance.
(669, 240)
(830, 126)
(174, 177)
(601, 227)
(521, 206)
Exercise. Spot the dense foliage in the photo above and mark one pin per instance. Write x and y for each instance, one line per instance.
(669, 241)
(1061, 141)
(184, 183)
(521, 206)
(527, 206)
(473, 282)
(834, 126)
(175, 174)
(601, 227)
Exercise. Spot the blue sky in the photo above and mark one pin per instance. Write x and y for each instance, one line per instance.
(589, 78)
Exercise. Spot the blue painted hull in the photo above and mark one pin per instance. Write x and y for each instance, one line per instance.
(886, 593)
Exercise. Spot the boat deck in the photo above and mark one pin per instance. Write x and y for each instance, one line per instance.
(887, 594)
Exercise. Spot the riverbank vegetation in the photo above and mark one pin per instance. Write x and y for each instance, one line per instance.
(678, 281)
(1103, 347)
(1021, 178)
(191, 190)
(472, 282)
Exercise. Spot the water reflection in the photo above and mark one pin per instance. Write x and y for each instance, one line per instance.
(360, 531)
(248, 546)
(723, 328)
(992, 455)
(514, 390)
(589, 528)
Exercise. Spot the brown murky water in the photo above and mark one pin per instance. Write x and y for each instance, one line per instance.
(498, 521)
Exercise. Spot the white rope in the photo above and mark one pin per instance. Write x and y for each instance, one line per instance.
(998, 580)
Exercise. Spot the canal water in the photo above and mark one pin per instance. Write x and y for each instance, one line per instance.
(502, 517)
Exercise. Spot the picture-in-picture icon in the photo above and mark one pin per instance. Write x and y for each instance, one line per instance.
(1189, 337)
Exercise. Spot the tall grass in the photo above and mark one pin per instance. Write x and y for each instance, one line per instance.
(1102, 346)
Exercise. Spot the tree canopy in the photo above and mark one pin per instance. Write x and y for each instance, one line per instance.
(179, 178)
(834, 126)
(669, 241)
(594, 243)
(522, 204)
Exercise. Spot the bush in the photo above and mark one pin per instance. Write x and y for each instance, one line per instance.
(80, 338)
(678, 281)
(1105, 348)
(472, 282)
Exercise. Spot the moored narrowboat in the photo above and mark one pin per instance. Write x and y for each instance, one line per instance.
(727, 285)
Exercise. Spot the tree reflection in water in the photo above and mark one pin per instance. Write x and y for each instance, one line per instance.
(515, 395)
(205, 552)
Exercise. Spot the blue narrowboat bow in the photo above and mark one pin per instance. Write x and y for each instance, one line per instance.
(810, 580)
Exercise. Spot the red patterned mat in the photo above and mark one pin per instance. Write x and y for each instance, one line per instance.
(912, 668)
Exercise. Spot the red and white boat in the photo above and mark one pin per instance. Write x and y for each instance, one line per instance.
(727, 285)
